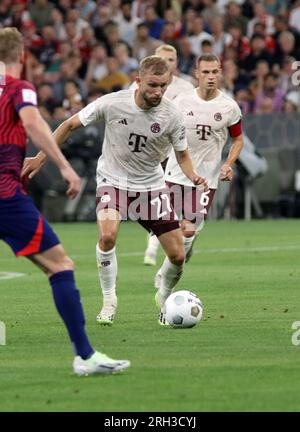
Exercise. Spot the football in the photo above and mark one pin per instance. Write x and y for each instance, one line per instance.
(183, 309)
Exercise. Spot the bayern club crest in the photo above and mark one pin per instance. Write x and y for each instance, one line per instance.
(218, 116)
(155, 127)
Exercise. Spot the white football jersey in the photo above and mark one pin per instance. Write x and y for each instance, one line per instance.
(178, 85)
(136, 141)
(207, 124)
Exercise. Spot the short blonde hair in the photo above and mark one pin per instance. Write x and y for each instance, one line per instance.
(11, 45)
(165, 48)
(154, 64)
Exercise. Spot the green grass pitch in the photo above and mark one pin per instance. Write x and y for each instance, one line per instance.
(240, 357)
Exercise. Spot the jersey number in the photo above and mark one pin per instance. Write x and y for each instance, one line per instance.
(204, 200)
(159, 202)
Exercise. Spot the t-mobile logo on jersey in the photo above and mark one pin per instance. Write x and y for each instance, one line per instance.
(204, 131)
(2, 333)
(138, 142)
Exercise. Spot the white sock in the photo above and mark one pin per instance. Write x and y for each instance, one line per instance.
(107, 270)
(153, 244)
(170, 275)
(188, 242)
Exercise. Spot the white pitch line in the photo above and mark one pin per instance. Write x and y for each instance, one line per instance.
(211, 251)
(199, 251)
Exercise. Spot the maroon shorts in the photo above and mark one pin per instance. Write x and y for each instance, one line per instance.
(152, 210)
(190, 203)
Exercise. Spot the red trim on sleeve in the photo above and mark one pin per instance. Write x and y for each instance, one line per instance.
(235, 130)
(35, 243)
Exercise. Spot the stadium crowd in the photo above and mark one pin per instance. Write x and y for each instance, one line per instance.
(78, 50)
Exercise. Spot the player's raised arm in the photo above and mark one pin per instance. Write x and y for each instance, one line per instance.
(40, 134)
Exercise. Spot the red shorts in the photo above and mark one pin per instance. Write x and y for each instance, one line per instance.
(152, 210)
(191, 203)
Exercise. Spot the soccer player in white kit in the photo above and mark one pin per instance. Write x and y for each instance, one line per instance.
(141, 127)
(176, 86)
(209, 115)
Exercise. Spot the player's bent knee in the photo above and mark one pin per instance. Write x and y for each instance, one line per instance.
(188, 234)
(68, 263)
(177, 258)
(107, 241)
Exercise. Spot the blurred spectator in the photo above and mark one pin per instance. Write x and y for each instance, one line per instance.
(262, 69)
(6, 16)
(143, 44)
(114, 80)
(57, 20)
(97, 67)
(112, 36)
(73, 17)
(86, 43)
(86, 8)
(242, 99)
(170, 16)
(234, 17)
(260, 29)
(186, 58)
(32, 40)
(50, 46)
(292, 102)
(210, 11)
(272, 91)
(221, 39)
(139, 8)
(285, 48)
(198, 35)
(240, 43)
(265, 106)
(261, 16)
(274, 7)
(168, 35)
(207, 47)
(99, 20)
(115, 12)
(68, 71)
(46, 97)
(41, 11)
(72, 101)
(127, 23)
(258, 52)
(294, 18)
(126, 63)
(20, 14)
(153, 21)
(233, 81)
(285, 74)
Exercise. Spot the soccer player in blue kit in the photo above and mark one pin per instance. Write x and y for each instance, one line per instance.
(22, 227)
